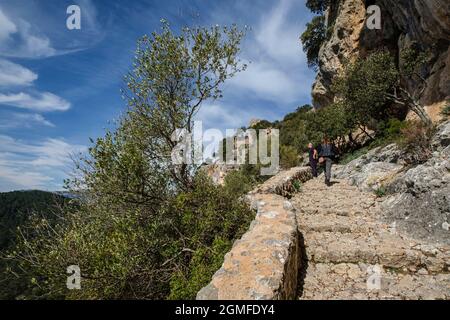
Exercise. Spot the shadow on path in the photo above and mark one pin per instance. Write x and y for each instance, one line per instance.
(303, 265)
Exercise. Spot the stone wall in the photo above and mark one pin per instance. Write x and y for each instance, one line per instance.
(264, 263)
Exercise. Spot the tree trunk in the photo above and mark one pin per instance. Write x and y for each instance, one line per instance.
(365, 132)
(419, 110)
(415, 106)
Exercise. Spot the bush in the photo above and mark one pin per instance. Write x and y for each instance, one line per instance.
(380, 192)
(204, 263)
(238, 183)
(209, 220)
(288, 157)
(349, 157)
(446, 111)
(129, 254)
(394, 128)
(297, 186)
(416, 142)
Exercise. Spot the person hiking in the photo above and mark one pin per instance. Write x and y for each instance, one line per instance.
(313, 158)
(327, 153)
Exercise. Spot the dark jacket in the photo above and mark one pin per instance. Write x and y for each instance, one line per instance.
(311, 155)
(327, 150)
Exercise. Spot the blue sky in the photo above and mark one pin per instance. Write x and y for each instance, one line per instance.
(58, 87)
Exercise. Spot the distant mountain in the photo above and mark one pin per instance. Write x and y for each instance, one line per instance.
(15, 209)
(16, 206)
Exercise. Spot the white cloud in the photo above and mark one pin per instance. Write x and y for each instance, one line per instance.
(12, 74)
(278, 70)
(15, 178)
(24, 120)
(39, 101)
(266, 81)
(277, 37)
(26, 43)
(222, 117)
(38, 165)
(7, 27)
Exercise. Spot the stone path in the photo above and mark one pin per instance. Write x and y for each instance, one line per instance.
(351, 254)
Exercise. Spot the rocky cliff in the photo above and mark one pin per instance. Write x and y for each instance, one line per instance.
(405, 23)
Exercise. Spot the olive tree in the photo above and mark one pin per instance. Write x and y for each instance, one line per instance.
(369, 85)
(142, 219)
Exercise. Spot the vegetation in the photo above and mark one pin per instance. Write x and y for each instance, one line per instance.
(369, 86)
(317, 6)
(313, 38)
(297, 186)
(16, 210)
(415, 140)
(446, 111)
(380, 192)
(146, 228)
(288, 157)
(316, 32)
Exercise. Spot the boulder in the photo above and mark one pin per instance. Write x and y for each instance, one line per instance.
(420, 199)
(372, 170)
(441, 138)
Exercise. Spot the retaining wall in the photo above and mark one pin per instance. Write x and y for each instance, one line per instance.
(264, 263)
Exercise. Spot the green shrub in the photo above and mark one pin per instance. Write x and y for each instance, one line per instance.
(209, 220)
(203, 264)
(238, 183)
(297, 186)
(288, 157)
(394, 128)
(380, 192)
(446, 111)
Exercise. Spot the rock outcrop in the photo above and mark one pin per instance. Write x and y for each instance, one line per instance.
(405, 23)
(372, 170)
(418, 198)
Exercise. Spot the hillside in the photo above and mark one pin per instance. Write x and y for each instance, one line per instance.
(15, 210)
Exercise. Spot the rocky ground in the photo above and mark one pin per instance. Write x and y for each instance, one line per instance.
(352, 254)
(416, 198)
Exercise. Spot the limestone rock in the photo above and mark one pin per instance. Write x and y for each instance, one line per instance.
(404, 23)
(441, 138)
(348, 18)
(372, 170)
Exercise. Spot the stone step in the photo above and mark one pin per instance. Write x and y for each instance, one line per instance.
(339, 223)
(336, 211)
(347, 244)
(360, 281)
(387, 250)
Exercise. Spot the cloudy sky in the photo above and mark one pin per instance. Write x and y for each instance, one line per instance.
(58, 87)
